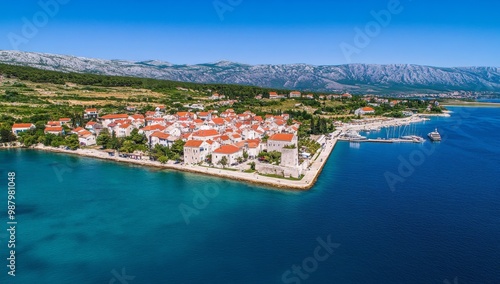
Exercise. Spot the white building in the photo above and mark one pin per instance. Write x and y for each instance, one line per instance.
(231, 152)
(195, 151)
(17, 128)
(280, 140)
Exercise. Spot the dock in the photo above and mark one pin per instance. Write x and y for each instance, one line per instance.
(391, 140)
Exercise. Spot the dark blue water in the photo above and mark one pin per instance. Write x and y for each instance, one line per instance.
(437, 220)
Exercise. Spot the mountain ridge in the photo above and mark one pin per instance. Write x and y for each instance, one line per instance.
(354, 78)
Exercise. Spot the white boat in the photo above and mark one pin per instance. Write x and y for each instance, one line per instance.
(434, 135)
(414, 138)
(354, 136)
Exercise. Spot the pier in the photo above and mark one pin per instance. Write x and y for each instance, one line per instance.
(380, 140)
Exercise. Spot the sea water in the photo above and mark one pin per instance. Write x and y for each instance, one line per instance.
(392, 213)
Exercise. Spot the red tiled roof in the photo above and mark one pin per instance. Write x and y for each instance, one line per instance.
(218, 121)
(206, 133)
(227, 149)
(138, 116)
(253, 145)
(193, 143)
(153, 127)
(160, 135)
(368, 109)
(22, 125)
(54, 129)
(115, 116)
(282, 137)
(84, 133)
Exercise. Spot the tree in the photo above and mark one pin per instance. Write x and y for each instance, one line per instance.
(163, 159)
(176, 157)
(252, 166)
(127, 147)
(7, 135)
(103, 139)
(136, 137)
(240, 160)
(223, 162)
(245, 155)
(71, 141)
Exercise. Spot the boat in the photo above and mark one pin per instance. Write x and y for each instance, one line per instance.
(354, 136)
(413, 138)
(434, 135)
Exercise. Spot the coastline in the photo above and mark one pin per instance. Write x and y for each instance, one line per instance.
(306, 183)
(309, 179)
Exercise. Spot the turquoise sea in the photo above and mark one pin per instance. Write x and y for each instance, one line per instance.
(379, 213)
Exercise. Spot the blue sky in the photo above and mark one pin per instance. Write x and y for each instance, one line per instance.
(437, 33)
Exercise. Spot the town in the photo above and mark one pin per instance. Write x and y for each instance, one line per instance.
(226, 139)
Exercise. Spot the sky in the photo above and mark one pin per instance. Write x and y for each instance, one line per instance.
(436, 33)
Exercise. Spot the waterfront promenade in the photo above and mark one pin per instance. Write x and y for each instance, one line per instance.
(307, 182)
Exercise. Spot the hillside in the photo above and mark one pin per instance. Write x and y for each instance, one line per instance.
(354, 78)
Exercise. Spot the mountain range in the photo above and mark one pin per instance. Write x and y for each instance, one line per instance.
(354, 78)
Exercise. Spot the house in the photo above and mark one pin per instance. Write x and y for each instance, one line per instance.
(53, 124)
(274, 95)
(364, 110)
(150, 129)
(195, 151)
(86, 138)
(93, 126)
(64, 121)
(278, 141)
(17, 128)
(347, 96)
(216, 96)
(58, 130)
(110, 118)
(310, 96)
(205, 135)
(123, 130)
(159, 137)
(295, 94)
(131, 108)
(231, 152)
(254, 148)
(90, 113)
